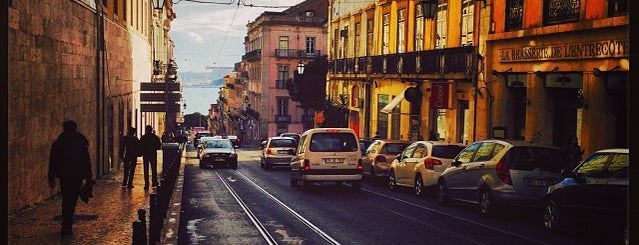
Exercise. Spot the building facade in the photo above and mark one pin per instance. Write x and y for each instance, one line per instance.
(276, 43)
(533, 70)
(88, 69)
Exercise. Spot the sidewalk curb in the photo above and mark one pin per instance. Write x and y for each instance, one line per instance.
(172, 221)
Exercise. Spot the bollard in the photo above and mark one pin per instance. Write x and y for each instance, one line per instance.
(154, 229)
(139, 237)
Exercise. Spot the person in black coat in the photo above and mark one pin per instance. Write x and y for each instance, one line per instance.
(129, 153)
(150, 145)
(69, 160)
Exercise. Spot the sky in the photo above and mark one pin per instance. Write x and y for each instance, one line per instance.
(211, 32)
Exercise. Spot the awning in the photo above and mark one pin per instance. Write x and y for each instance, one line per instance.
(395, 102)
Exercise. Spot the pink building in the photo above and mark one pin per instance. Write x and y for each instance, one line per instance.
(275, 44)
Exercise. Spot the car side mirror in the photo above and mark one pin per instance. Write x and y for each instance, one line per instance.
(456, 163)
(566, 173)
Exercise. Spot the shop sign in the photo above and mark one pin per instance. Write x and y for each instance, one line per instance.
(587, 50)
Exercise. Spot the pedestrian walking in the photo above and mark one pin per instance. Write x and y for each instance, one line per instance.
(573, 152)
(69, 161)
(129, 153)
(150, 144)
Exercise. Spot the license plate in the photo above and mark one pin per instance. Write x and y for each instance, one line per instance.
(220, 159)
(333, 160)
(282, 151)
(539, 182)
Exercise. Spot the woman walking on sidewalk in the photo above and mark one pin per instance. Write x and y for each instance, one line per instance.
(129, 153)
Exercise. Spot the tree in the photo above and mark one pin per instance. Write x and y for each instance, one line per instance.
(191, 120)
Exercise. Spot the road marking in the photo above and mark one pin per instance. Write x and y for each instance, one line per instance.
(295, 214)
(260, 227)
(456, 217)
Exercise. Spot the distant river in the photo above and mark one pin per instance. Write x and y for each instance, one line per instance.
(199, 99)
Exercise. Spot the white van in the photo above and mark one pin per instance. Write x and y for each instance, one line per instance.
(327, 154)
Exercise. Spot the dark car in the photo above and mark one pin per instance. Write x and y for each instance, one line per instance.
(364, 143)
(218, 153)
(295, 136)
(595, 192)
(235, 140)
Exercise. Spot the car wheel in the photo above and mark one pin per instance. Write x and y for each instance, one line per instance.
(305, 185)
(442, 193)
(486, 202)
(392, 184)
(419, 186)
(552, 220)
(356, 185)
(294, 182)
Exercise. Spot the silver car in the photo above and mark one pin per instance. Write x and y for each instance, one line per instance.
(278, 152)
(491, 173)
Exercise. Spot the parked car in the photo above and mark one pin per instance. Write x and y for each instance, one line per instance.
(595, 192)
(364, 143)
(295, 136)
(379, 156)
(217, 153)
(492, 173)
(202, 142)
(277, 152)
(327, 154)
(421, 163)
(235, 140)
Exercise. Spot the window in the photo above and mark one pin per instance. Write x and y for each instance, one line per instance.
(468, 7)
(467, 154)
(594, 166)
(344, 46)
(442, 24)
(282, 76)
(283, 46)
(419, 28)
(310, 45)
(420, 151)
(487, 151)
(282, 106)
(514, 14)
(401, 31)
(356, 45)
(393, 148)
(382, 118)
(561, 11)
(617, 8)
(369, 37)
(385, 34)
(408, 152)
(336, 44)
(333, 142)
(446, 151)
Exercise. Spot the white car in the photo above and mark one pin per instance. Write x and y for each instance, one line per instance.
(421, 163)
(327, 154)
(277, 152)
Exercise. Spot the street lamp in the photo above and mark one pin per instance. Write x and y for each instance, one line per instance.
(158, 4)
(300, 67)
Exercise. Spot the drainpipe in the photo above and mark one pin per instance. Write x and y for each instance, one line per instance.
(99, 29)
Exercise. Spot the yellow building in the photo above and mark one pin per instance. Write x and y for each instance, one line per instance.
(469, 70)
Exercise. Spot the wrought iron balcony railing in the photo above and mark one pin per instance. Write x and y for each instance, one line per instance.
(450, 60)
(296, 53)
(282, 118)
(252, 55)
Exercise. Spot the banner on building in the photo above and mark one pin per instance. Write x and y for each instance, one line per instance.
(439, 94)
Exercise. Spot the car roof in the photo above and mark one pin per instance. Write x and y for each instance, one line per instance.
(517, 143)
(281, 137)
(614, 150)
(386, 141)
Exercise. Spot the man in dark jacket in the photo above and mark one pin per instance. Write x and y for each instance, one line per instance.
(69, 161)
(129, 152)
(150, 144)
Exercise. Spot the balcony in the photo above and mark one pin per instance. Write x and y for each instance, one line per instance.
(459, 60)
(252, 55)
(296, 53)
(282, 118)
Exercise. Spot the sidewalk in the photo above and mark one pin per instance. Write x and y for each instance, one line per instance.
(107, 218)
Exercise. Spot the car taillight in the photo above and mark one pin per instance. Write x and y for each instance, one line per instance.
(268, 150)
(503, 173)
(380, 159)
(307, 165)
(359, 164)
(430, 163)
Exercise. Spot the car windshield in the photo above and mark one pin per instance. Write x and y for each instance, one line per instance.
(393, 148)
(333, 142)
(283, 143)
(219, 144)
(447, 151)
(529, 158)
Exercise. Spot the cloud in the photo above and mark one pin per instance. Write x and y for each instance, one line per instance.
(195, 37)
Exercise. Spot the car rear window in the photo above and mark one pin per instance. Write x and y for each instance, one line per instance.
(393, 148)
(529, 158)
(447, 151)
(283, 143)
(333, 142)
